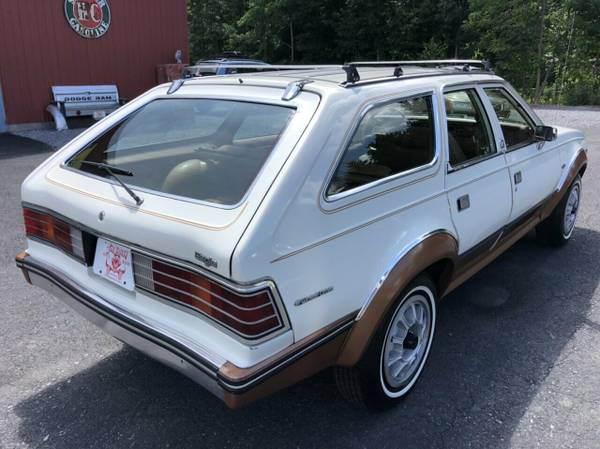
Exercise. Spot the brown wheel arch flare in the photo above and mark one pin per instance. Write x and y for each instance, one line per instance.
(438, 250)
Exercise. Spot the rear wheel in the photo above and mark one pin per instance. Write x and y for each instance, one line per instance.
(397, 354)
(558, 228)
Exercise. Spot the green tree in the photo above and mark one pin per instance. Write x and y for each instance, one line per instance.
(580, 78)
(259, 32)
(547, 48)
(435, 49)
(506, 33)
(208, 25)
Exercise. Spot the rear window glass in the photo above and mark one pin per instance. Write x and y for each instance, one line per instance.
(208, 150)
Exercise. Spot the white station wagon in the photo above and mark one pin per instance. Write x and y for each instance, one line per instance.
(253, 229)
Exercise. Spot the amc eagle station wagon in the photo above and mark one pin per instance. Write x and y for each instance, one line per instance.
(250, 230)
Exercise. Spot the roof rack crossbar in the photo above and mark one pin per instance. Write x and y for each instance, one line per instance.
(485, 65)
(467, 65)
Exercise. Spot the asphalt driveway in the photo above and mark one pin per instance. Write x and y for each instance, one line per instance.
(515, 364)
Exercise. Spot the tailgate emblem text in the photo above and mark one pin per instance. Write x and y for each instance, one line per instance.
(207, 261)
(315, 295)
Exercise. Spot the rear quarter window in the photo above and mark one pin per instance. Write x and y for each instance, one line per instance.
(392, 138)
(203, 149)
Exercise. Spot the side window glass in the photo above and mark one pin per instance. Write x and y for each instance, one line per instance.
(390, 139)
(517, 127)
(469, 130)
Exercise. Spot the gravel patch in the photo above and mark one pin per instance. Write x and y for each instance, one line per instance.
(580, 117)
(53, 138)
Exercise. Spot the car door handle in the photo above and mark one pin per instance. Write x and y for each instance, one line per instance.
(463, 203)
(518, 177)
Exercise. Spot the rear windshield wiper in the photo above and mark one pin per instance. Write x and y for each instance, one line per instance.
(113, 172)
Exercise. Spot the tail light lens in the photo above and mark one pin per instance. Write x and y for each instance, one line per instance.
(249, 315)
(45, 227)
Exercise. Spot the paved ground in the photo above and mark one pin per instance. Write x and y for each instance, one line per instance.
(50, 137)
(523, 373)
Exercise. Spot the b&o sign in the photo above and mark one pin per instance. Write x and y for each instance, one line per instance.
(88, 18)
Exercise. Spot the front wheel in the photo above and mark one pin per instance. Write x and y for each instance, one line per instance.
(397, 354)
(558, 228)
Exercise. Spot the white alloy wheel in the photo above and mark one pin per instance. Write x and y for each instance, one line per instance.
(571, 208)
(407, 342)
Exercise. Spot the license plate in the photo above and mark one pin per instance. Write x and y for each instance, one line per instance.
(113, 262)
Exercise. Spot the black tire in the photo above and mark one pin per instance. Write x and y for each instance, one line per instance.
(366, 383)
(554, 230)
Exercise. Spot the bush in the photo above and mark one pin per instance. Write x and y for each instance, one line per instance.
(581, 94)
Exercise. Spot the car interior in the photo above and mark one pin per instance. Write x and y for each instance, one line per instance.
(217, 167)
(469, 132)
(387, 142)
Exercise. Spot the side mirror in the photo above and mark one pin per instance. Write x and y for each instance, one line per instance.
(545, 133)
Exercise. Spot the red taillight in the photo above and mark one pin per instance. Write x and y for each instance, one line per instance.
(250, 315)
(52, 230)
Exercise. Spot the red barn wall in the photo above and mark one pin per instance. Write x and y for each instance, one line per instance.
(38, 49)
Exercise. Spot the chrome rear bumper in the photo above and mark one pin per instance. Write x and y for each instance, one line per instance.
(173, 350)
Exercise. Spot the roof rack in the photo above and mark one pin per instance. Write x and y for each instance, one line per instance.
(351, 68)
(466, 65)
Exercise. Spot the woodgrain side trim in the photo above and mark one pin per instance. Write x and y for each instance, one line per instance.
(436, 248)
(234, 377)
(322, 357)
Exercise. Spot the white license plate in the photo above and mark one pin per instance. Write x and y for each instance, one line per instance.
(113, 262)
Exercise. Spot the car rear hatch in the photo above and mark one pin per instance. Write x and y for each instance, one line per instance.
(179, 236)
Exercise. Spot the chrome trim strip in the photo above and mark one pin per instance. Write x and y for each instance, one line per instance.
(498, 238)
(208, 304)
(474, 161)
(248, 340)
(185, 281)
(392, 264)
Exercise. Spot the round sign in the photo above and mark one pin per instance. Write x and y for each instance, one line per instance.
(88, 18)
